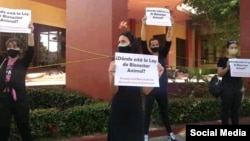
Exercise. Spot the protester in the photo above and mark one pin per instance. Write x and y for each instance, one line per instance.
(158, 94)
(232, 94)
(13, 95)
(126, 116)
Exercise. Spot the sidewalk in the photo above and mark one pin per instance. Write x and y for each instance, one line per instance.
(159, 134)
(180, 130)
(179, 137)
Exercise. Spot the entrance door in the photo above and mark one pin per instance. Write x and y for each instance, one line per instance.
(180, 52)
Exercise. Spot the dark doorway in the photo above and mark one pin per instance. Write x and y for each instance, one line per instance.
(180, 52)
(161, 38)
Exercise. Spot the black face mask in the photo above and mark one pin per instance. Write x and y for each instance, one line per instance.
(13, 53)
(124, 49)
(156, 49)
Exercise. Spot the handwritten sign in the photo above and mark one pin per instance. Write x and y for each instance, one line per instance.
(136, 70)
(158, 16)
(240, 67)
(14, 20)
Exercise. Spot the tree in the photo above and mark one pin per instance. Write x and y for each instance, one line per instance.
(217, 18)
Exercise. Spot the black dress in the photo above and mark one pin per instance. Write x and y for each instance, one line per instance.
(126, 117)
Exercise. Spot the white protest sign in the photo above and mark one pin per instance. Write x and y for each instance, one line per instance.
(158, 16)
(239, 67)
(136, 70)
(15, 20)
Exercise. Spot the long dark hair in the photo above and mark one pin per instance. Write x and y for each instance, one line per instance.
(133, 41)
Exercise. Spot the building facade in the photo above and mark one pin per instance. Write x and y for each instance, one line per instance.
(81, 36)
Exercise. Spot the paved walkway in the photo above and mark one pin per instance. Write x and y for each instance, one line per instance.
(179, 137)
(180, 130)
(159, 133)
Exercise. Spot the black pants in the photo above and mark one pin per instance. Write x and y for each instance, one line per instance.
(162, 100)
(230, 103)
(20, 111)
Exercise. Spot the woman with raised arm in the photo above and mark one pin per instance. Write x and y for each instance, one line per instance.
(126, 116)
(13, 94)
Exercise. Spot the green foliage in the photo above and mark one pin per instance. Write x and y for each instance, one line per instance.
(219, 40)
(245, 110)
(196, 83)
(193, 110)
(54, 97)
(74, 121)
(92, 116)
(216, 13)
(45, 122)
(88, 119)
(217, 18)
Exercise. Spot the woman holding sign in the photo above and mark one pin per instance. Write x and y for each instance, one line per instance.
(126, 116)
(231, 97)
(158, 94)
(13, 95)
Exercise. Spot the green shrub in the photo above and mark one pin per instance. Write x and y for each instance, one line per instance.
(54, 97)
(191, 110)
(245, 107)
(73, 114)
(45, 122)
(75, 121)
(87, 120)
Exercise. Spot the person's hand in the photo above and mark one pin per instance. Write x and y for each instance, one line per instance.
(112, 68)
(123, 24)
(143, 20)
(160, 69)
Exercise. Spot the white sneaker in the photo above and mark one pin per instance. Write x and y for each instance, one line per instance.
(171, 137)
(145, 137)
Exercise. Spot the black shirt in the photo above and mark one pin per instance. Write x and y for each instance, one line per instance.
(18, 74)
(227, 78)
(163, 52)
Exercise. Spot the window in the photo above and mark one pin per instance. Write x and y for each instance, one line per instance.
(49, 45)
(51, 52)
(180, 52)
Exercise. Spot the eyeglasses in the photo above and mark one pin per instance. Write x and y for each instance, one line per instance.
(232, 42)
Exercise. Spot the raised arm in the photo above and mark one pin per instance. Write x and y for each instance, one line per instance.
(30, 51)
(31, 42)
(144, 46)
(169, 37)
(169, 34)
(143, 29)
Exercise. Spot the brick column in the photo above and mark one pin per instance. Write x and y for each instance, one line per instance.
(92, 34)
(245, 32)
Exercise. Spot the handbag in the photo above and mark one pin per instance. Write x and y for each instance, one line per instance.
(215, 86)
